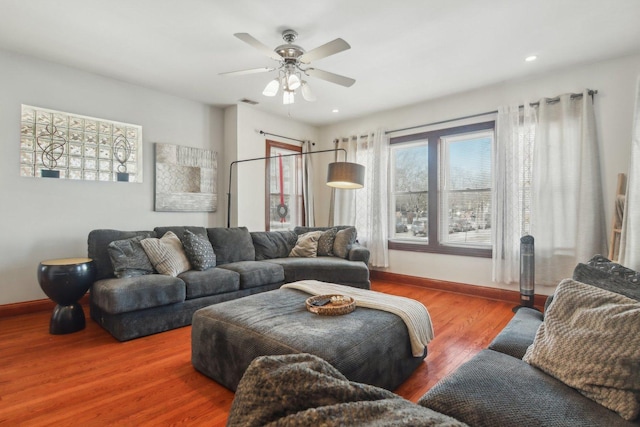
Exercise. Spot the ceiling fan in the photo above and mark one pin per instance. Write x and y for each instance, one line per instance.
(294, 65)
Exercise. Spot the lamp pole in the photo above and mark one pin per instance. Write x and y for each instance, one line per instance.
(332, 150)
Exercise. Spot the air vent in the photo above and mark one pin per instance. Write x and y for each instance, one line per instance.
(249, 101)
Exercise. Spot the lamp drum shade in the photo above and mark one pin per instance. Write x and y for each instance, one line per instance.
(345, 175)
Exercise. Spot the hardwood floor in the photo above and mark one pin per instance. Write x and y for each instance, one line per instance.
(90, 379)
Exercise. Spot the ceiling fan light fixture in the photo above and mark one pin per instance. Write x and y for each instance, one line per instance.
(307, 94)
(288, 97)
(293, 82)
(272, 88)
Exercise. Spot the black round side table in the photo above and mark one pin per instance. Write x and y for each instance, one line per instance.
(65, 281)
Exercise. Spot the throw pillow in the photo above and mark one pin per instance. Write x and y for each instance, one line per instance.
(129, 258)
(344, 241)
(231, 244)
(590, 340)
(273, 244)
(307, 245)
(199, 251)
(325, 243)
(166, 254)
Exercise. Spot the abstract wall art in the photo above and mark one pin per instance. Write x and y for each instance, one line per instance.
(55, 144)
(186, 179)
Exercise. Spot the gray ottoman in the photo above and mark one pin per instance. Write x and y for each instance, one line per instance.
(367, 346)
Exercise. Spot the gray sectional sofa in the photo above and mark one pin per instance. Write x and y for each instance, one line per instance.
(137, 304)
(498, 388)
(495, 388)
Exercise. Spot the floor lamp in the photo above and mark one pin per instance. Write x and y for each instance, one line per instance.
(345, 175)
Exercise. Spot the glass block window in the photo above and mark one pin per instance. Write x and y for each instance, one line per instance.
(55, 144)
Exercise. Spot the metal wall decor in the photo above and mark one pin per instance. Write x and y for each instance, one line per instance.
(55, 144)
(186, 179)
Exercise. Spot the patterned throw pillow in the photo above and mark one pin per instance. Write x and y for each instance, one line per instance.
(344, 241)
(590, 340)
(166, 254)
(307, 245)
(199, 251)
(129, 258)
(325, 243)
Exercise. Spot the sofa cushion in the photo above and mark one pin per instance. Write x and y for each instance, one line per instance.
(166, 254)
(256, 273)
(214, 281)
(300, 229)
(343, 242)
(494, 389)
(590, 340)
(99, 240)
(326, 269)
(137, 293)
(129, 258)
(306, 245)
(231, 244)
(519, 333)
(199, 251)
(273, 244)
(179, 231)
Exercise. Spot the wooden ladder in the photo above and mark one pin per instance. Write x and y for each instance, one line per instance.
(618, 212)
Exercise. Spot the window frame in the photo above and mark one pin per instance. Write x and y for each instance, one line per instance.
(269, 144)
(433, 244)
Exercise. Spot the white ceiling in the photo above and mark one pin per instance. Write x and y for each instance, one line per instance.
(401, 53)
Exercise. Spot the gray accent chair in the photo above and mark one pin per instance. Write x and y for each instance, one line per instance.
(246, 263)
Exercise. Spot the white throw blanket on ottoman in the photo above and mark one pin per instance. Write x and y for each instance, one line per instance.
(412, 312)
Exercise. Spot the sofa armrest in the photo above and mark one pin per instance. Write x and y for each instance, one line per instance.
(519, 333)
(359, 253)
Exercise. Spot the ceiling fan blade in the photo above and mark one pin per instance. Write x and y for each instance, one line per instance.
(331, 77)
(250, 71)
(250, 40)
(328, 49)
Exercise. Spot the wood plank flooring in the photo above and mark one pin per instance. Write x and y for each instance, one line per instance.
(90, 379)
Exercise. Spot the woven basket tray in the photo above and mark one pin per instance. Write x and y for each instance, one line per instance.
(337, 305)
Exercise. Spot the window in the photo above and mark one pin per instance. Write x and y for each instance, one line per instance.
(284, 202)
(441, 190)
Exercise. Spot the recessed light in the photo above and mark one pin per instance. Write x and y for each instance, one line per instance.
(531, 58)
(335, 110)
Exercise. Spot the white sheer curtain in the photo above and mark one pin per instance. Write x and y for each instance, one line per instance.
(515, 133)
(547, 183)
(567, 210)
(630, 235)
(307, 185)
(367, 208)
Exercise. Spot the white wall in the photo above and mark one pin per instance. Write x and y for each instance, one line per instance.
(49, 218)
(249, 196)
(615, 81)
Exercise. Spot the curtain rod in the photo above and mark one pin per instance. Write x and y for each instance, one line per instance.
(347, 138)
(590, 92)
(285, 137)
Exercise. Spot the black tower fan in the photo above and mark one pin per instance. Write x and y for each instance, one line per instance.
(527, 272)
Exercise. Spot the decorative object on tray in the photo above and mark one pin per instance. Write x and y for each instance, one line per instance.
(122, 153)
(330, 305)
(52, 142)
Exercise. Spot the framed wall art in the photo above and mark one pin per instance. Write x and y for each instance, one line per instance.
(186, 179)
